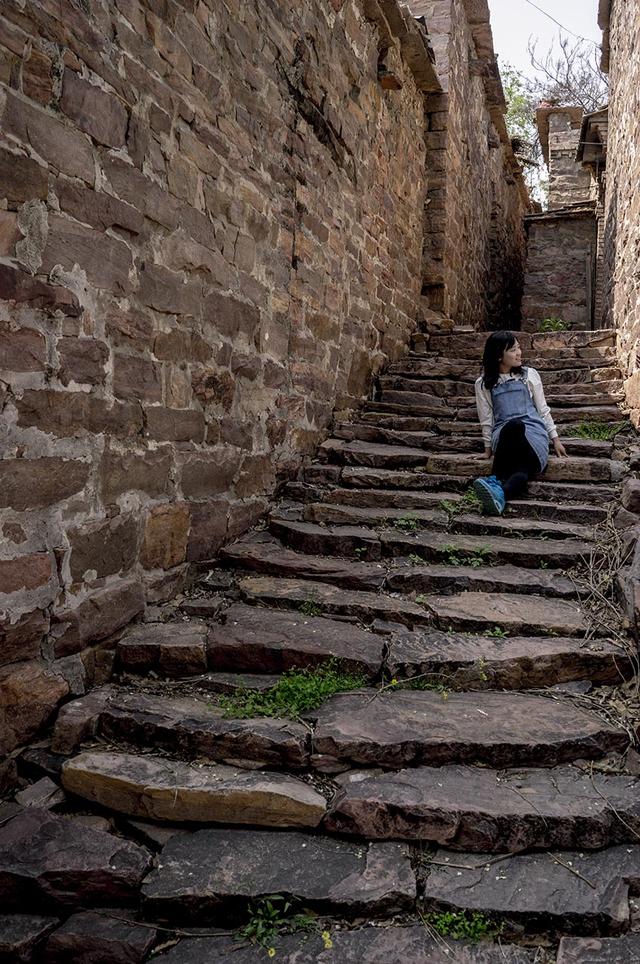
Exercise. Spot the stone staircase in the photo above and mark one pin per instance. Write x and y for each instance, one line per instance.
(477, 771)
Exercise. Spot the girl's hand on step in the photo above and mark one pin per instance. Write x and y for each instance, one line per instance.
(559, 448)
(487, 454)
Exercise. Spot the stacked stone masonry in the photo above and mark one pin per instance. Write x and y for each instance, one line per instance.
(210, 238)
(621, 23)
(474, 243)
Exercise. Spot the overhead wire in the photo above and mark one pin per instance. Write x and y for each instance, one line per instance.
(562, 26)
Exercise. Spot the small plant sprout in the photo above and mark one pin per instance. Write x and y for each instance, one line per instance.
(598, 431)
(407, 523)
(310, 608)
(553, 323)
(415, 559)
(360, 551)
(271, 917)
(462, 925)
(497, 633)
(296, 692)
(456, 556)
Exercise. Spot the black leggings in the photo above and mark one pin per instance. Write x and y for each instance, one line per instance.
(514, 461)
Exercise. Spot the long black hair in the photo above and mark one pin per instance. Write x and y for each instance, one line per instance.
(495, 346)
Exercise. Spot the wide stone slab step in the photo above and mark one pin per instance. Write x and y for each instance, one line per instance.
(381, 499)
(269, 556)
(271, 641)
(483, 810)
(565, 892)
(461, 444)
(457, 395)
(468, 522)
(194, 729)
(517, 615)
(365, 945)
(599, 950)
(488, 549)
(444, 547)
(202, 872)
(49, 861)
(395, 456)
(417, 403)
(363, 606)
(463, 661)
(168, 790)
(399, 728)
(364, 478)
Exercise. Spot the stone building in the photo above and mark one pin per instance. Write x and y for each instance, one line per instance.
(562, 273)
(219, 220)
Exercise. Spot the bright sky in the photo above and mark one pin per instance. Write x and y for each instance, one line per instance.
(514, 21)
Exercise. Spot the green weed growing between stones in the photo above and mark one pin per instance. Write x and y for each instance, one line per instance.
(497, 633)
(296, 692)
(462, 925)
(598, 431)
(406, 523)
(310, 608)
(553, 323)
(271, 917)
(455, 556)
(415, 559)
(468, 503)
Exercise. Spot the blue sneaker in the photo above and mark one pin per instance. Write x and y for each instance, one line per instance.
(491, 495)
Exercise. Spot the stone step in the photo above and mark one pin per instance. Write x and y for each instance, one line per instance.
(463, 661)
(56, 862)
(431, 442)
(459, 394)
(371, 455)
(465, 408)
(271, 642)
(467, 366)
(362, 606)
(555, 892)
(362, 945)
(456, 427)
(272, 559)
(394, 729)
(563, 382)
(582, 513)
(194, 729)
(362, 477)
(556, 342)
(518, 615)
(488, 811)
(599, 950)
(168, 790)
(444, 547)
(468, 522)
(203, 873)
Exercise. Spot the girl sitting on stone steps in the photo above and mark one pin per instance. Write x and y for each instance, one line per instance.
(515, 420)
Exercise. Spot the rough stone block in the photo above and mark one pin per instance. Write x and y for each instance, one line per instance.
(174, 425)
(67, 149)
(16, 285)
(37, 483)
(25, 572)
(135, 377)
(104, 548)
(165, 536)
(100, 614)
(20, 639)
(29, 694)
(122, 472)
(22, 349)
(95, 111)
(82, 360)
(22, 178)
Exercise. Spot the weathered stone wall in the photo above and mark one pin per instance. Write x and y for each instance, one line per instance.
(560, 276)
(210, 236)
(622, 197)
(474, 249)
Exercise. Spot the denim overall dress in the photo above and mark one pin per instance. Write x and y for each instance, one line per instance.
(512, 399)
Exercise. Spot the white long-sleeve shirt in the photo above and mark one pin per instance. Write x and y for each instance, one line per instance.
(485, 404)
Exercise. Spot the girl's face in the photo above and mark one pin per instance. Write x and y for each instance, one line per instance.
(511, 357)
